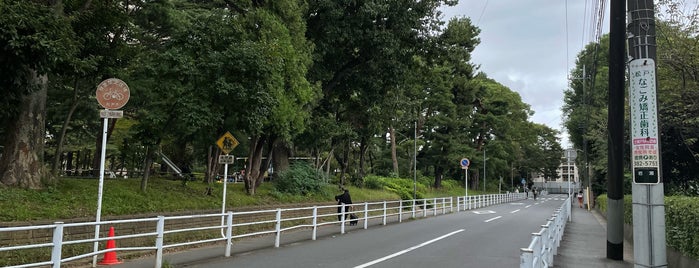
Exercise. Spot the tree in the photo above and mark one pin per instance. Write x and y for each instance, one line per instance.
(34, 38)
(363, 50)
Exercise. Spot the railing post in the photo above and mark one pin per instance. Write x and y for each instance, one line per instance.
(315, 222)
(451, 204)
(550, 248)
(537, 249)
(400, 211)
(414, 208)
(424, 207)
(458, 203)
(434, 206)
(366, 215)
(278, 228)
(229, 233)
(384, 212)
(342, 218)
(160, 229)
(526, 258)
(57, 245)
(444, 205)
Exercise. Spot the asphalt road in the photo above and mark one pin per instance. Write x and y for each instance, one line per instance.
(486, 237)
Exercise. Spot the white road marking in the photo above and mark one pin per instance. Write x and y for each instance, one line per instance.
(528, 206)
(484, 212)
(408, 250)
(489, 220)
(514, 211)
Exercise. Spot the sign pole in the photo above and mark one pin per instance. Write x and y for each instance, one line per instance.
(464, 165)
(99, 189)
(223, 201)
(466, 180)
(647, 193)
(112, 94)
(227, 143)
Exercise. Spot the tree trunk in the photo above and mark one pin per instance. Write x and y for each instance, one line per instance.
(21, 164)
(474, 179)
(280, 157)
(362, 156)
(64, 128)
(146, 169)
(252, 172)
(343, 161)
(438, 173)
(394, 157)
(264, 167)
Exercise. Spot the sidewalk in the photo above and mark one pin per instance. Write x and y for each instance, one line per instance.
(584, 243)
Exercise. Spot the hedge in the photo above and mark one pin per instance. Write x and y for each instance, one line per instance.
(681, 221)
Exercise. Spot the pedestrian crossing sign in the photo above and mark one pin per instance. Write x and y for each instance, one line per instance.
(227, 142)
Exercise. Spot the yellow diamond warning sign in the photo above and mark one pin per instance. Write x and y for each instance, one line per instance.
(227, 142)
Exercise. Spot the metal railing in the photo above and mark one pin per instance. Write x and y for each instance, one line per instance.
(244, 224)
(544, 244)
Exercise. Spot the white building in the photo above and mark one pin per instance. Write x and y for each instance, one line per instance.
(567, 171)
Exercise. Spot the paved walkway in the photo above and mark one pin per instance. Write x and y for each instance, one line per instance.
(584, 243)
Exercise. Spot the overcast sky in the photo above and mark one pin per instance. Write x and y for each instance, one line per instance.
(523, 46)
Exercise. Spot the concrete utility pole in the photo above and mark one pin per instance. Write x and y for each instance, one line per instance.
(647, 189)
(615, 123)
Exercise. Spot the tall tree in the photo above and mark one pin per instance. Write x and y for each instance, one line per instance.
(34, 38)
(363, 50)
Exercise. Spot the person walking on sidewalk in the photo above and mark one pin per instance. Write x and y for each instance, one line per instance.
(580, 198)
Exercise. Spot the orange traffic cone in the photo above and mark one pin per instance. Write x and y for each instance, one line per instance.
(110, 257)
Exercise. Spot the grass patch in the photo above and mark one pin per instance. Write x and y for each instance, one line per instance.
(77, 198)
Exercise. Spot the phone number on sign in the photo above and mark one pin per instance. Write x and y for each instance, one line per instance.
(645, 163)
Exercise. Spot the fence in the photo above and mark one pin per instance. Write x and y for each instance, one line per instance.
(168, 232)
(544, 244)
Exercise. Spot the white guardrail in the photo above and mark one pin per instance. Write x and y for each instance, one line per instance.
(243, 224)
(544, 244)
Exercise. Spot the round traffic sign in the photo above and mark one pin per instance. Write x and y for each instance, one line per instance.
(112, 93)
(465, 162)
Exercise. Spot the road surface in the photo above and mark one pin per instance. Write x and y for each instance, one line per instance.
(485, 237)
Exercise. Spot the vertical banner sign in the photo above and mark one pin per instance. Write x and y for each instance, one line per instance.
(645, 158)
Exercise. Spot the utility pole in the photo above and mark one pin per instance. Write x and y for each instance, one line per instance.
(615, 123)
(647, 189)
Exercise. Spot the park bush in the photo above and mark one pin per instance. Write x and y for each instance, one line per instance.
(681, 218)
(402, 187)
(451, 185)
(299, 179)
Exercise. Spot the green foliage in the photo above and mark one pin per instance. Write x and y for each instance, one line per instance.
(681, 223)
(681, 217)
(299, 179)
(449, 185)
(400, 186)
(34, 41)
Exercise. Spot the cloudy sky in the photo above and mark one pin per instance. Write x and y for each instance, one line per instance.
(523, 46)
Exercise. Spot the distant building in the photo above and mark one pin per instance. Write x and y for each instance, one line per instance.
(567, 171)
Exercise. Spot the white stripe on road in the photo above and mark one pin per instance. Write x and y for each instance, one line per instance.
(489, 220)
(514, 211)
(408, 250)
(528, 206)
